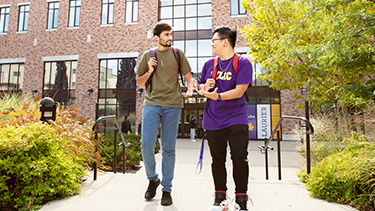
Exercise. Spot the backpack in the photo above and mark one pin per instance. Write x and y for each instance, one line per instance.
(236, 57)
(176, 53)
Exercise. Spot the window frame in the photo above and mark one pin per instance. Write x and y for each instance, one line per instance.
(112, 99)
(239, 6)
(70, 91)
(55, 14)
(25, 20)
(4, 19)
(19, 84)
(76, 14)
(134, 11)
(109, 3)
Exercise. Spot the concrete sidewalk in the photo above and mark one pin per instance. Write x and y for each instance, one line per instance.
(193, 192)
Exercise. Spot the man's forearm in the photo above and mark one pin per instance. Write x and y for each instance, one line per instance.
(143, 78)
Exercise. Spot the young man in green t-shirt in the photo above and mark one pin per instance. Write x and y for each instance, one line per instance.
(162, 106)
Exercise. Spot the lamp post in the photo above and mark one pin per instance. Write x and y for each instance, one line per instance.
(48, 109)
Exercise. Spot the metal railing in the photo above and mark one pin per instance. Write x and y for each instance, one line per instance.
(123, 143)
(309, 130)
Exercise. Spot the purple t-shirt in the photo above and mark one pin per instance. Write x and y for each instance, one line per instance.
(225, 113)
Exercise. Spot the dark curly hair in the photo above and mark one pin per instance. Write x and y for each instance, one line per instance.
(160, 27)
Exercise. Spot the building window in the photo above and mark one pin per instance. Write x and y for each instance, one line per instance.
(117, 89)
(107, 11)
(74, 13)
(11, 77)
(23, 18)
(4, 19)
(236, 7)
(131, 11)
(59, 81)
(192, 25)
(53, 14)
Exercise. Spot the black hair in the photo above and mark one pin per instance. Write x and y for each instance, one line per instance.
(160, 27)
(227, 33)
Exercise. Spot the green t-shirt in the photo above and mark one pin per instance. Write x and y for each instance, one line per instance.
(166, 89)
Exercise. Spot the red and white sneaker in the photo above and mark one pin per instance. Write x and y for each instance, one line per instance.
(221, 203)
(241, 202)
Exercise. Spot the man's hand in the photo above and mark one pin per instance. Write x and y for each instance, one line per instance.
(212, 95)
(189, 92)
(210, 84)
(151, 64)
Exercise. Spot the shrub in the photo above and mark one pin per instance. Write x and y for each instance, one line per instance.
(326, 139)
(35, 167)
(76, 130)
(79, 135)
(347, 176)
(133, 153)
(72, 135)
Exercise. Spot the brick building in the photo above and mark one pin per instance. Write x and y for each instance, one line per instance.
(85, 52)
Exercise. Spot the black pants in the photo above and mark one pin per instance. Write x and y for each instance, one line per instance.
(237, 137)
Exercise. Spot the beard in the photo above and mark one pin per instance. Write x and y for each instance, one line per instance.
(165, 44)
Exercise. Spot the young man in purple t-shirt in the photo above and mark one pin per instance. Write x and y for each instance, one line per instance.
(225, 116)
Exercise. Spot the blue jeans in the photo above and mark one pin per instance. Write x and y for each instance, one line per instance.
(152, 117)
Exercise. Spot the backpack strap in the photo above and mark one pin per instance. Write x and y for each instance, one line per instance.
(236, 57)
(176, 53)
(235, 67)
(214, 71)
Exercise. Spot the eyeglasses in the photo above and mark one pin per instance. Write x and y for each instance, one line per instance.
(213, 40)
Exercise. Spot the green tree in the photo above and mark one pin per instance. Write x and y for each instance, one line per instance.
(327, 45)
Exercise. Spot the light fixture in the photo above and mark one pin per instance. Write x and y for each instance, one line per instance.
(139, 93)
(88, 92)
(48, 109)
(303, 91)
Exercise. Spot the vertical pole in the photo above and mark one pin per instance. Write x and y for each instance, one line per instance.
(308, 158)
(266, 157)
(96, 149)
(123, 159)
(115, 151)
(279, 154)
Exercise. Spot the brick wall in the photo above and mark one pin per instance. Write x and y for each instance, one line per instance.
(118, 38)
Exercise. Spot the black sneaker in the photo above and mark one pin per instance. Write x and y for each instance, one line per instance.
(241, 202)
(151, 190)
(166, 199)
(221, 202)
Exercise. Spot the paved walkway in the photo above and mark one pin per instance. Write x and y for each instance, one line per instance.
(192, 192)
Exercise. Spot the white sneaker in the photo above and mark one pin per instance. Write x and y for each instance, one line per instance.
(193, 140)
(221, 203)
(241, 202)
(221, 207)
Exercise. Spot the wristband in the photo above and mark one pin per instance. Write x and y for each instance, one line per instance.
(218, 97)
(148, 73)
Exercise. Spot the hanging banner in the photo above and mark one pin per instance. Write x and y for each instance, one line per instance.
(252, 121)
(263, 121)
(275, 108)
